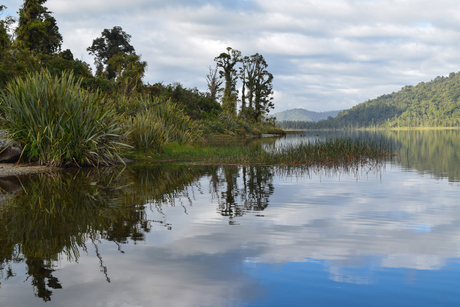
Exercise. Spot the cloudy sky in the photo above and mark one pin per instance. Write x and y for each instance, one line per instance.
(324, 54)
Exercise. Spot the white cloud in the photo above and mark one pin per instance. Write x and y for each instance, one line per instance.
(321, 47)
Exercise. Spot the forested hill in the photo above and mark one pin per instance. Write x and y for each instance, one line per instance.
(303, 115)
(428, 104)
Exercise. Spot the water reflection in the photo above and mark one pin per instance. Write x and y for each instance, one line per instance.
(55, 216)
(252, 194)
(141, 233)
(434, 152)
(48, 218)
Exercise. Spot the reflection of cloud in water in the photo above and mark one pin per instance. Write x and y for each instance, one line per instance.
(412, 226)
(340, 274)
(154, 275)
(352, 227)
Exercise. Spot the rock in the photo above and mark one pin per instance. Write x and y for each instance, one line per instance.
(9, 151)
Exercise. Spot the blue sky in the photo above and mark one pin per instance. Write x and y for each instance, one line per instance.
(324, 55)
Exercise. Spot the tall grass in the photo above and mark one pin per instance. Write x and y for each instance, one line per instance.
(328, 152)
(157, 124)
(58, 123)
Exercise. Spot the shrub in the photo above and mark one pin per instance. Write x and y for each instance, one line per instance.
(58, 123)
(156, 124)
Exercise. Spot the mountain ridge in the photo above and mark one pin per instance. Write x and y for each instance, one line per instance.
(300, 114)
(428, 104)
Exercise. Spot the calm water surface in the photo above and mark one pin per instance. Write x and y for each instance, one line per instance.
(179, 235)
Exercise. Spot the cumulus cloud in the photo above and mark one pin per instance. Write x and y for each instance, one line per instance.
(324, 55)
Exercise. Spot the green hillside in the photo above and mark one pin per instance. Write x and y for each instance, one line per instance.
(303, 115)
(428, 104)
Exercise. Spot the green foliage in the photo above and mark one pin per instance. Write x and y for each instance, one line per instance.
(129, 70)
(330, 152)
(57, 64)
(257, 87)
(431, 104)
(228, 124)
(11, 60)
(227, 61)
(37, 29)
(195, 104)
(156, 124)
(58, 123)
(146, 131)
(111, 43)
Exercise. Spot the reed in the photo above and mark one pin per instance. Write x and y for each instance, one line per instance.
(328, 152)
(337, 151)
(58, 123)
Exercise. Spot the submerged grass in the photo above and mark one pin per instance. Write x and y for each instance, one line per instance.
(331, 151)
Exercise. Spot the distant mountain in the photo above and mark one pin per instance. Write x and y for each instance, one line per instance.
(303, 115)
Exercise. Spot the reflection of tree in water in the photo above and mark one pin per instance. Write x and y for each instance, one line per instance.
(242, 189)
(56, 215)
(41, 271)
(433, 151)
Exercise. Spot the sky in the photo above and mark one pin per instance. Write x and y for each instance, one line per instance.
(324, 54)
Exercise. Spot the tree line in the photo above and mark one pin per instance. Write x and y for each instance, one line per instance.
(256, 90)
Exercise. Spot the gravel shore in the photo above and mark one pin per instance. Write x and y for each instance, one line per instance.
(12, 169)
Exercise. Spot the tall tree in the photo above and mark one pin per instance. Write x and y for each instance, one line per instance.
(9, 65)
(5, 24)
(37, 30)
(257, 86)
(227, 61)
(213, 82)
(246, 75)
(129, 70)
(110, 44)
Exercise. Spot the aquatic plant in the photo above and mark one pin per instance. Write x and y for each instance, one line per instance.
(58, 123)
(328, 152)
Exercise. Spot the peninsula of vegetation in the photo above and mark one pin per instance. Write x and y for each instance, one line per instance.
(61, 114)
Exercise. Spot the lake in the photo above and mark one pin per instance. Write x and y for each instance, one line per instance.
(383, 234)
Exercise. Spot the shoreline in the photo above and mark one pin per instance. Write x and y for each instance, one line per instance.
(13, 169)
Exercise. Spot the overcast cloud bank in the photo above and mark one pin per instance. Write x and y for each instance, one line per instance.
(324, 55)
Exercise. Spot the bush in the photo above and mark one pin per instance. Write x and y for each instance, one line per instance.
(58, 123)
(156, 124)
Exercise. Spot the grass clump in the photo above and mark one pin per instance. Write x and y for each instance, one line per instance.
(159, 123)
(331, 151)
(58, 123)
(328, 152)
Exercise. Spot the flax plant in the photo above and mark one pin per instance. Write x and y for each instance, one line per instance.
(58, 123)
(159, 123)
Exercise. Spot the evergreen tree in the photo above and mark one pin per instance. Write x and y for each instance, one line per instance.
(111, 43)
(37, 29)
(227, 61)
(257, 86)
